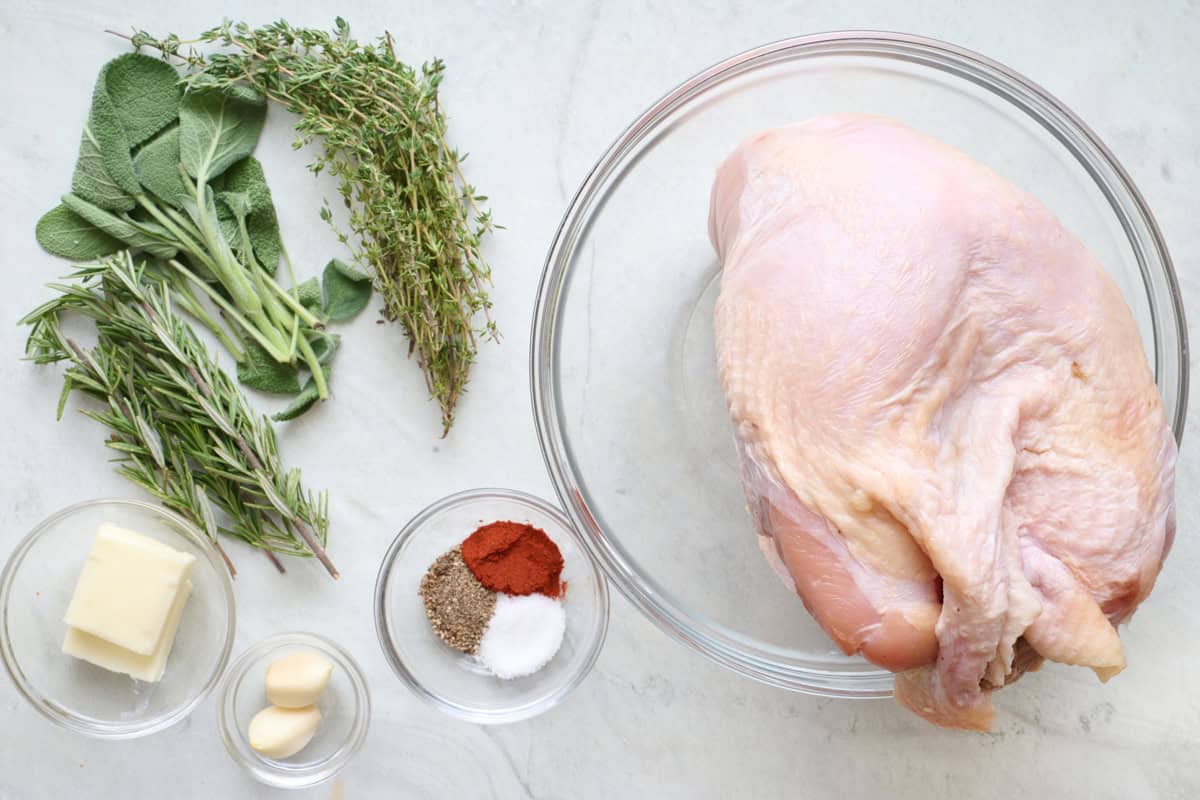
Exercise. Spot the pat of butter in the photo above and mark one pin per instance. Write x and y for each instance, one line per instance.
(127, 589)
(105, 654)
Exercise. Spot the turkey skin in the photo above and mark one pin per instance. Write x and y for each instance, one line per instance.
(951, 443)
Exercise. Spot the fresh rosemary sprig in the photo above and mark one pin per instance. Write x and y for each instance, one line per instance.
(416, 224)
(179, 423)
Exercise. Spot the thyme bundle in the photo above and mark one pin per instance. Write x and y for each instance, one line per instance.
(415, 224)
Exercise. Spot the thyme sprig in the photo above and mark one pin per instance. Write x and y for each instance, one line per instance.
(414, 222)
(181, 427)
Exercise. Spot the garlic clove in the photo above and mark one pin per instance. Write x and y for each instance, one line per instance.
(282, 732)
(298, 679)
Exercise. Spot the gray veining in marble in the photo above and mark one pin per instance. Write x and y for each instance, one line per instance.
(536, 90)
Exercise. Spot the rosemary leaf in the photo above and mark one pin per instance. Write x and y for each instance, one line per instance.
(177, 422)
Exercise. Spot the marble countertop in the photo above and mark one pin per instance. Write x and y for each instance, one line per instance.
(536, 91)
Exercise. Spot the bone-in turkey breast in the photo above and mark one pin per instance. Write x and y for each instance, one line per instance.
(951, 441)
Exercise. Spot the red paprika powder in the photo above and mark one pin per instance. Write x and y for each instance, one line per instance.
(514, 558)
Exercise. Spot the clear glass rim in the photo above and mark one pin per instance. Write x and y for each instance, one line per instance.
(299, 777)
(383, 628)
(722, 645)
(112, 730)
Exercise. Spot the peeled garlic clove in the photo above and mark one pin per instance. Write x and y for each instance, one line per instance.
(282, 732)
(297, 679)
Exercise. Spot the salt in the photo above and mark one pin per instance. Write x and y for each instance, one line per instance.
(523, 635)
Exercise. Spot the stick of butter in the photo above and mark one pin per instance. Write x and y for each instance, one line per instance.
(105, 654)
(127, 589)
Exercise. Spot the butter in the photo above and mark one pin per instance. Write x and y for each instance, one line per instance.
(105, 654)
(127, 590)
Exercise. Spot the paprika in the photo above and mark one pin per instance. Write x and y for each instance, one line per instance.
(514, 558)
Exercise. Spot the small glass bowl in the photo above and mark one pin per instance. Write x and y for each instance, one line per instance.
(345, 713)
(36, 588)
(455, 682)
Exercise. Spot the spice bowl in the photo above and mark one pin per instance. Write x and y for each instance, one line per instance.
(36, 587)
(458, 683)
(345, 707)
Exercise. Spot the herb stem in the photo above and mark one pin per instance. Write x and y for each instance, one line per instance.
(185, 298)
(314, 366)
(193, 248)
(232, 312)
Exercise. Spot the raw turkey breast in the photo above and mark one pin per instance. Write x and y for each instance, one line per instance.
(951, 442)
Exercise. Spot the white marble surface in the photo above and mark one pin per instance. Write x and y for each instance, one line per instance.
(536, 91)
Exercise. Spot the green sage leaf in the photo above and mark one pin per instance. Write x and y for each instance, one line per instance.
(237, 202)
(262, 223)
(104, 174)
(156, 230)
(229, 227)
(217, 128)
(304, 401)
(309, 294)
(225, 219)
(260, 371)
(347, 291)
(64, 233)
(122, 228)
(145, 93)
(324, 346)
(157, 168)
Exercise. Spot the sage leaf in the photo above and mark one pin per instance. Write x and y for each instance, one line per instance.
(225, 219)
(260, 371)
(324, 346)
(157, 168)
(217, 128)
(247, 176)
(104, 173)
(122, 228)
(154, 229)
(229, 227)
(309, 294)
(145, 93)
(64, 233)
(262, 223)
(303, 402)
(237, 202)
(347, 290)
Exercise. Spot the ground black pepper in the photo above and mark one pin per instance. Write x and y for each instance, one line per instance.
(459, 607)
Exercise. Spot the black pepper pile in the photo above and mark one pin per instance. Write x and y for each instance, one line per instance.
(459, 607)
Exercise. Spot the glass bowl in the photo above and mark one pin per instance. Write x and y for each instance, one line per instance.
(36, 588)
(455, 682)
(626, 397)
(345, 713)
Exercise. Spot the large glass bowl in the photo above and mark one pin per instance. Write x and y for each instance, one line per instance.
(626, 398)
